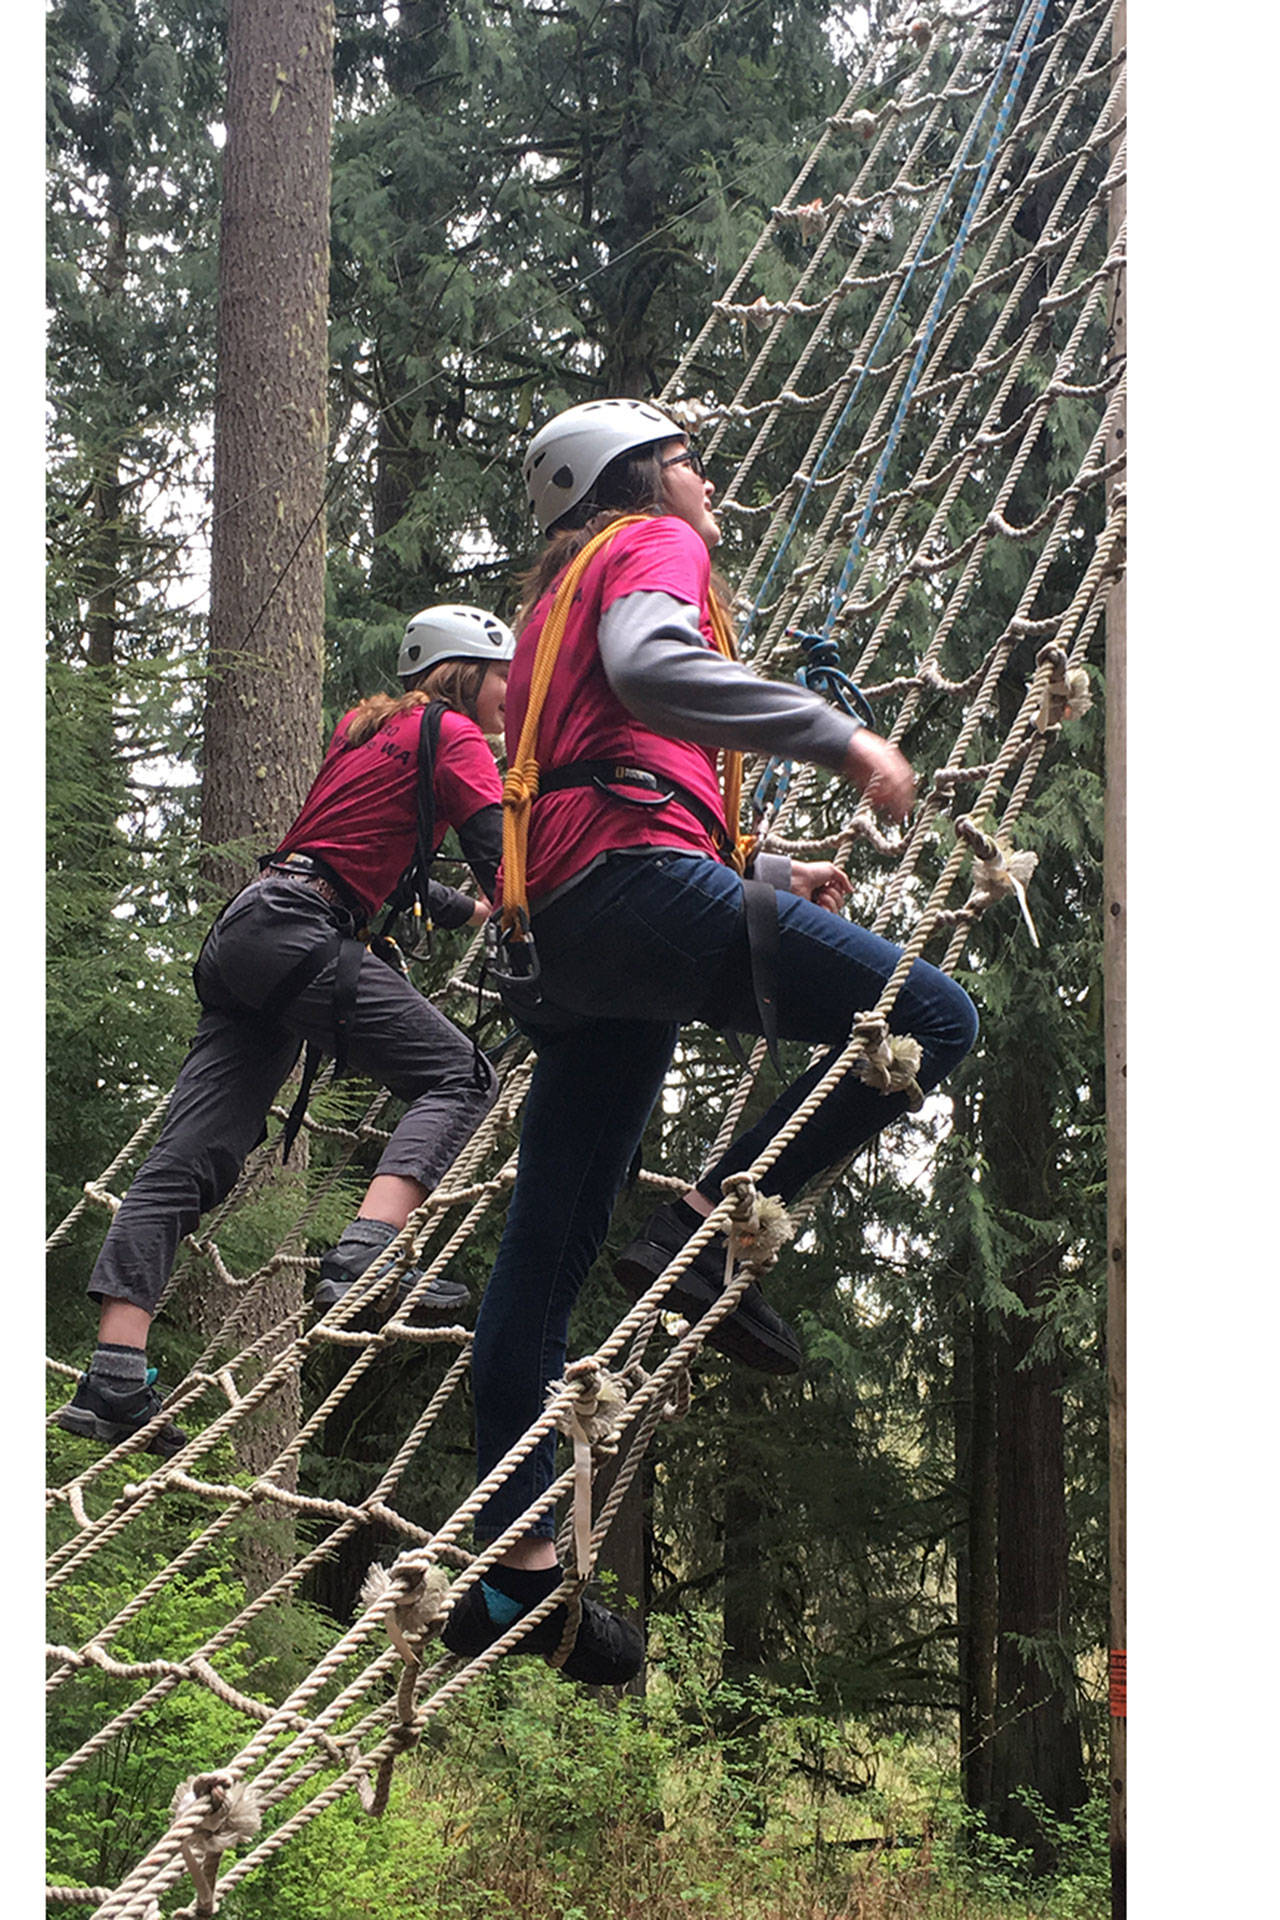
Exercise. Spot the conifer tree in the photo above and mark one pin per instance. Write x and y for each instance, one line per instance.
(133, 89)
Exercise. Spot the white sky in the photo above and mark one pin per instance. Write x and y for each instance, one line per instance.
(1204, 1341)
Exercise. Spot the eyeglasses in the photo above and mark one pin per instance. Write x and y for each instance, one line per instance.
(689, 454)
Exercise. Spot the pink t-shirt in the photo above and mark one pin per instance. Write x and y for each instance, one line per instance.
(582, 719)
(361, 815)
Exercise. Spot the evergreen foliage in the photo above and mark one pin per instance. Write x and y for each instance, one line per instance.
(533, 204)
(132, 90)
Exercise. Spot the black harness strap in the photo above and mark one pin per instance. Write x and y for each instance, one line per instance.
(761, 906)
(286, 991)
(654, 790)
(350, 954)
(346, 982)
(412, 885)
(759, 900)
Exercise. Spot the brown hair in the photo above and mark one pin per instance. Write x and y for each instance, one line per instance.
(632, 483)
(456, 682)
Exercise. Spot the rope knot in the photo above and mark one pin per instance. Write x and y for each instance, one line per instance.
(520, 787)
(1067, 693)
(810, 218)
(590, 1421)
(759, 1225)
(234, 1814)
(762, 312)
(598, 1403)
(414, 1599)
(890, 1061)
(998, 870)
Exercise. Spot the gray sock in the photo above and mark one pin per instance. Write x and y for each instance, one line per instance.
(119, 1367)
(360, 1245)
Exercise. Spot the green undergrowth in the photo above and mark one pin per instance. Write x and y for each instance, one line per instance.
(530, 1799)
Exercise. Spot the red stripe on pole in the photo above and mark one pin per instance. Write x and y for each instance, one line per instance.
(1117, 1685)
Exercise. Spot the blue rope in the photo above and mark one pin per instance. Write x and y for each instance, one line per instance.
(891, 316)
(944, 287)
(779, 772)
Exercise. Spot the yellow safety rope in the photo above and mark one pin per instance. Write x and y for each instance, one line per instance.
(520, 788)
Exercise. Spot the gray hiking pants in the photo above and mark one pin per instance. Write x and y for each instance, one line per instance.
(238, 1062)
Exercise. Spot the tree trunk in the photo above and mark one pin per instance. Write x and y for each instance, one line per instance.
(1036, 1743)
(1036, 1739)
(266, 621)
(976, 1585)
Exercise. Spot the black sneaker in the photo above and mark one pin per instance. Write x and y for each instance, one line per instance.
(608, 1651)
(358, 1250)
(443, 1296)
(753, 1333)
(95, 1413)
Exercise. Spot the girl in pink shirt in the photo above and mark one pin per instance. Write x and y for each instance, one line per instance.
(640, 921)
(284, 967)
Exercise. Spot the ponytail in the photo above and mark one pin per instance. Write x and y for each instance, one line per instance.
(456, 683)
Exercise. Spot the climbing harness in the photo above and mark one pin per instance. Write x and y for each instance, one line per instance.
(351, 938)
(511, 954)
(647, 789)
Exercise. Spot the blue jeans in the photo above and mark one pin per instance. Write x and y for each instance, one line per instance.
(639, 946)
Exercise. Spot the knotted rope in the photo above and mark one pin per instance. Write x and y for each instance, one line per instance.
(231, 1816)
(998, 871)
(590, 1420)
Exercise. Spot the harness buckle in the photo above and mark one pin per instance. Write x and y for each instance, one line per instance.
(511, 958)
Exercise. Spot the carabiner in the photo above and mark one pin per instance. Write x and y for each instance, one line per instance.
(822, 673)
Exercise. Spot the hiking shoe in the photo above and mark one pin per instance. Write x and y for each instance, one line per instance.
(608, 1651)
(357, 1251)
(443, 1296)
(95, 1413)
(752, 1334)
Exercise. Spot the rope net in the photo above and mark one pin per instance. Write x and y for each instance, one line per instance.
(922, 461)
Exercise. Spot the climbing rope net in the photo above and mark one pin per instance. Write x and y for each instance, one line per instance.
(925, 446)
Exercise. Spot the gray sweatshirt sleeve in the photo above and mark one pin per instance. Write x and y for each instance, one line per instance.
(661, 669)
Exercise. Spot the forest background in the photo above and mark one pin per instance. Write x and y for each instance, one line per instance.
(1215, 1336)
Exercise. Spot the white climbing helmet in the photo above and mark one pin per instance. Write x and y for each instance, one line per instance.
(570, 453)
(453, 633)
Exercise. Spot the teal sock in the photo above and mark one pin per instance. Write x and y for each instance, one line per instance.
(510, 1591)
(500, 1607)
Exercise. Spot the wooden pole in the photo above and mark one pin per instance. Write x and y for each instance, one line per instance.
(1114, 957)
